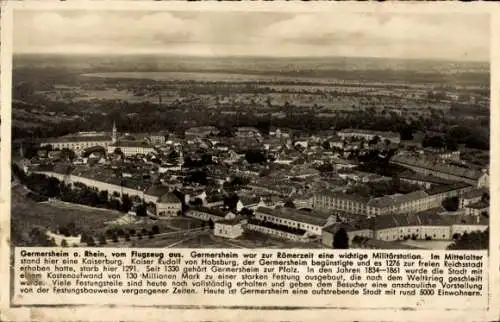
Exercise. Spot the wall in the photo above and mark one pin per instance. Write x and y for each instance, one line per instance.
(312, 229)
(274, 232)
(460, 229)
(228, 231)
(100, 185)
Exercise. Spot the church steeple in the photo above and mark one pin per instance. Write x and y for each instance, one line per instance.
(114, 132)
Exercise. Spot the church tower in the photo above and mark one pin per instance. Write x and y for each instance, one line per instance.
(114, 133)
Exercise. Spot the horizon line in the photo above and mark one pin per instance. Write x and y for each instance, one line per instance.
(245, 56)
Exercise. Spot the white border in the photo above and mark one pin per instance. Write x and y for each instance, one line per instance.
(150, 314)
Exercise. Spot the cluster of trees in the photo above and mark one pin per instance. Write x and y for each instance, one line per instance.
(341, 239)
(204, 159)
(118, 234)
(210, 224)
(49, 187)
(256, 156)
(69, 230)
(471, 137)
(472, 240)
(38, 237)
(197, 176)
(450, 204)
(473, 133)
(236, 183)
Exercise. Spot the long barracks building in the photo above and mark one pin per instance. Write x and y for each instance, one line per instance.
(413, 202)
(439, 169)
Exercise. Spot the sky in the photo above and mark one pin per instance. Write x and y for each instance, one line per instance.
(450, 36)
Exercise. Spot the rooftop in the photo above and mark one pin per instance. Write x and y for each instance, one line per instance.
(379, 133)
(448, 187)
(475, 193)
(437, 166)
(478, 205)
(169, 198)
(312, 218)
(230, 222)
(381, 244)
(424, 178)
(79, 138)
(131, 144)
(157, 190)
(340, 195)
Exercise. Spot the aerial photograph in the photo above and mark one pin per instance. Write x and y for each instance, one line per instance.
(248, 129)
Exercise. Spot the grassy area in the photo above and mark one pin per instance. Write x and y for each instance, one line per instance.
(184, 222)
(27, 214)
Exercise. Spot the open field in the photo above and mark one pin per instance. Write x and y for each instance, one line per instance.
(27, 214)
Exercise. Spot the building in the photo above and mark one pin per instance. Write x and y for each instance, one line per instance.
(129, 148)
(249, 203)
(340, 201)
(413, 202)
(160, 196)
(311, 222)
(429, 167)
(424, 181)
(247, 132)
(276, 230)
(79, 142)
(369, 135)
(201, 131)
(207, 214)
(83, 140)
(443, 154)
(472, 196)
(399, 203)
(229, 228)
(427, 225)
(361, 229)
(155, 139)
(168, 205)
(478, 208)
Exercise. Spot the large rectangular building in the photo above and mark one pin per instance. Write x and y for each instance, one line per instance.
(311, 222)
(129, 148)
(429, 167)
(412, 202)
(369, 135)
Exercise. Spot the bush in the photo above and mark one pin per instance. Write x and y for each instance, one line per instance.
(110, 233)
(155, 230)
(151, 235)
(102, 240)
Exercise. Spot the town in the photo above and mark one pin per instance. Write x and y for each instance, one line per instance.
(246, 186)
